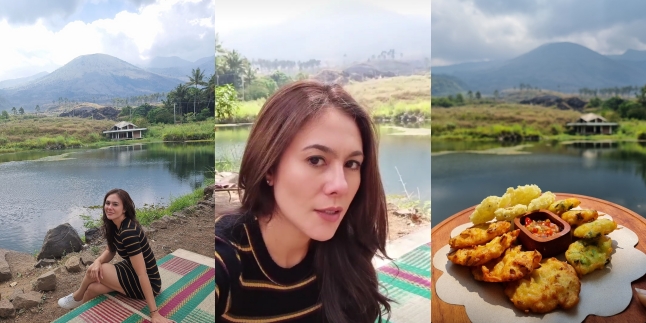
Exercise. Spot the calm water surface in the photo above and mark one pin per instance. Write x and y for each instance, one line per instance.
(615, 172)
(41, 190)
(411, 155)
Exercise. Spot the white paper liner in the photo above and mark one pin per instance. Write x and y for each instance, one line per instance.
(604, 292)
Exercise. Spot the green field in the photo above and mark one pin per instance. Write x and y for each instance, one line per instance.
(29, 132)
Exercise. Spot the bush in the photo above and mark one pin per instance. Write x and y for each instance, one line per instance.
(442, 102)
(626, 106)
(612, 103)
(160, 115)
(594, 102)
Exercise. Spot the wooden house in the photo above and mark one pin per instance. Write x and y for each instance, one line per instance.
(124, 130)
(592, 124)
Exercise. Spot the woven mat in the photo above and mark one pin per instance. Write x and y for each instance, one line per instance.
(188, 295)
(407, 281)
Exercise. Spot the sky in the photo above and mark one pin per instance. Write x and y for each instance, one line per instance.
(42, 35)
(287, 29)
(485, 30)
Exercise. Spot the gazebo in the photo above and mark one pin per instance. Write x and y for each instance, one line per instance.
(591, 124)
(124, 130)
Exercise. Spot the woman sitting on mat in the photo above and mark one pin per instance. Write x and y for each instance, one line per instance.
(313, 215)
(137, 275)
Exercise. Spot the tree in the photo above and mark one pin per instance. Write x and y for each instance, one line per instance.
(21, 111)
(4, 114)
(459, 99)
(226, 103)
(495, 94)
(470, 95)
(14, 111)
(37, 109)
(641, 97)
(196, 78)
(478, 96)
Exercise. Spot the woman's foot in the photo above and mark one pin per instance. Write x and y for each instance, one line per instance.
(68, 302)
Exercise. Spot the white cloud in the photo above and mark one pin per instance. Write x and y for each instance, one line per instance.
(132, 36)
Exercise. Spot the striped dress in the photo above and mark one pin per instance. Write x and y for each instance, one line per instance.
(130, 240)
(251, 287)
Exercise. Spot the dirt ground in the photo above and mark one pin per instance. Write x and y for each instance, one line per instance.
(398, 226)
(193, 233)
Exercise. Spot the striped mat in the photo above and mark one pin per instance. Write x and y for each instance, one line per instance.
(407, 281)
(188, 295)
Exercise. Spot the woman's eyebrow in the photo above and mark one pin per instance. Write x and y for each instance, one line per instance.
(331, 151)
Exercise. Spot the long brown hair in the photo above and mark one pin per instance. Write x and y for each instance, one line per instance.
(347, 278)
(109, 228)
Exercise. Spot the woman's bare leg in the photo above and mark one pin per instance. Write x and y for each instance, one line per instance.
(90, 288)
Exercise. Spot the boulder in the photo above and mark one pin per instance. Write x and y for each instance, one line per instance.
(159, 224)
(92, 235)
(149, 230)
(5, 271)
(6, 309)
(15, 294)
(27, 300)
(73, 264)
(208, 191)
(87, 260)
(60, 241)
(45, 263)
(46, 282)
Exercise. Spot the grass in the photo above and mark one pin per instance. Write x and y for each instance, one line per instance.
(22, 133)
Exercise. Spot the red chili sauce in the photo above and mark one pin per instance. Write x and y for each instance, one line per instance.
(541, 229)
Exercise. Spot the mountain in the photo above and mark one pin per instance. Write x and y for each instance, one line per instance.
(564, 67)
(181, 71)
(165, 62)
(90, 78)
(630, 55)
(443, 85)
(20, 81)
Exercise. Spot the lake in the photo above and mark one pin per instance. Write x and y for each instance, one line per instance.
(464, 173)
(43, 189)
(410, 155)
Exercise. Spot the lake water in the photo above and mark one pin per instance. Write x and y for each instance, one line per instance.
(41, 190)
(411, 155)
(613, 171)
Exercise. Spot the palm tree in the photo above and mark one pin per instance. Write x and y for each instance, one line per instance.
(196, 78)
(234, 63)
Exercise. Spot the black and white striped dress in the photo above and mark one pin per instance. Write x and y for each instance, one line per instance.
(130, 240)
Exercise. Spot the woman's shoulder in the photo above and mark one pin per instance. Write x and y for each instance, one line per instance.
(231, 228)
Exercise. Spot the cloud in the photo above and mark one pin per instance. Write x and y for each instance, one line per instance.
(475, 30)
(28, 12)
(183, 28)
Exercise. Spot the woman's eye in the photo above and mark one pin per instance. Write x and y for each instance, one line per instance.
(316, 161)
(353, 164)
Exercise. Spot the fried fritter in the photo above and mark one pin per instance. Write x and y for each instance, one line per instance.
(595, 229)
(588, 255)
(579, 217)
(561, 206)
(521, 195)
(479, 255)
(509, 213)
(514, 265)
(484, 210)
(541, 202)
(554, 284)
(479, 234)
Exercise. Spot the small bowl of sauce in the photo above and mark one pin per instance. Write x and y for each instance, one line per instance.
(544, 232)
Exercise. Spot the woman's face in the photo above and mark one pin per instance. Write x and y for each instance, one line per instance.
(113, 208)
(319, 174)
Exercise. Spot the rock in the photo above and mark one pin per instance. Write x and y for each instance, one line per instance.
(5, 271)
(15, 294)
(149, 230)
(92, 235)
(159, 224)
(87, 260)
(6, 309)
(27, 300)
(171, 219)
(44, 263)
(13, 284)
(60, 241)
(405, 212)
(46, 282)
(208, 191)
(208, 203)
(73, 264)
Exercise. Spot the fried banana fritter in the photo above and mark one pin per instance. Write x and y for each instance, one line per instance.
(479, 234)
(589, 255)
(579, 217)
(514, 265)
(485, 210)
(509, 213)
(561, 206)
(554, 284)
(541, 202)
(479, 255)
(595, 229)
(521, 195)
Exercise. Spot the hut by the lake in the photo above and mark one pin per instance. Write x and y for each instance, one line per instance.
(124, 130)
(593, 124)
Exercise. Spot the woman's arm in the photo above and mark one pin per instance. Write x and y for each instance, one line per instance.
(139, 264)
(105, 257)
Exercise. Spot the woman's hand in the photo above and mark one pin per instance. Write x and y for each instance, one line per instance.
(158, 318)
(95, 271)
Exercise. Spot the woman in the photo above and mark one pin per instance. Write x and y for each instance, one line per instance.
(313, 215)
(137, 276)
